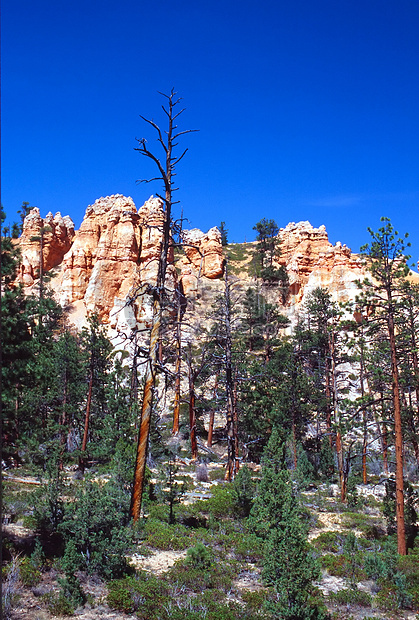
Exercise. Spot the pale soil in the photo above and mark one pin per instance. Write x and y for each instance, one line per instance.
(29, 607)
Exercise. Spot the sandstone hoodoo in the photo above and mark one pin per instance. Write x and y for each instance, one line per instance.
(312, 261)
(116, 253)
(54, 234)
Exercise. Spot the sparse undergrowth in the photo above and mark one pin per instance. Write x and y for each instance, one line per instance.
(219, 551)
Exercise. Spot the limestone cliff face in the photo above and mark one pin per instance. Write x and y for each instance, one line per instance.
(203, 258)
(102, 263)
(312, 261)
(54, 234)
(113, 256)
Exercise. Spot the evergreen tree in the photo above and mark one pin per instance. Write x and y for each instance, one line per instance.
(97, 349)
(288, 566)
(224, 232)
(387, 263)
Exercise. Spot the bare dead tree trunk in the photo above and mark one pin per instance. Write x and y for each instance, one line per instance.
(328, 401)
(63, 422)
(147, 406)
(236, 426)
(364, 417)
(166, 171)
(192, 416)
(336, 415)
(210, 428)
(231, 443)
(212, 416)
(176, 404)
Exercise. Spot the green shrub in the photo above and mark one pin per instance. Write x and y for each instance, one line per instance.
(29, 574)
(145, 594)
(247, 547)
(254, 599)
(95, 522)
(351, 596)
(58, 604)
(164, 536)
(334, 564)
(198, 556)
(223, 502)
(216, 474)
(386, 599)
(328, 541)
(244, 490)
(217, 576)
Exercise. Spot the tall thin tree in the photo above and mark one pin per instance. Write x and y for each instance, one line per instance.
(166, 172)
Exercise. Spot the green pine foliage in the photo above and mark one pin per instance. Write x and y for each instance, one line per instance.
(288, 565)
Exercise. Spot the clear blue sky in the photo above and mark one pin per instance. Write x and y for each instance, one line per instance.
(307, 110)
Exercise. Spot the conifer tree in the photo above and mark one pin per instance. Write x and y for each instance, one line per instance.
(387, 263)
(276, 517)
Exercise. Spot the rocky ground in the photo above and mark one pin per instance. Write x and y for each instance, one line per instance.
(29, 604)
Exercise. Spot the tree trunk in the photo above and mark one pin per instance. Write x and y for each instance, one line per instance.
(398, 437)
(231, 443)
(236, 426)
(82, 461)
(192, 417)
(147, 405)
(176, 404)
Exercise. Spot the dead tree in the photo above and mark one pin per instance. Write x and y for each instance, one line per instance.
(166, 170)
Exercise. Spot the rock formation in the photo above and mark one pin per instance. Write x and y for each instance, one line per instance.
(312, 261)
(113, 256)
(54, 233)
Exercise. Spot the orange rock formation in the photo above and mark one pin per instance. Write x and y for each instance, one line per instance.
(54, 233)
(113, 255)
(312, 261)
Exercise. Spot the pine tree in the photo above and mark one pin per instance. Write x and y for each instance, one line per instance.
(387, 263)
(288, 566)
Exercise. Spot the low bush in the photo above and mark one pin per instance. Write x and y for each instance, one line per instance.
(30, 575)
(351, 596)
(199, 556)
(167, 537)
(217, 576)
(58, 604)
(145, 594)
(223, 502)
(328, 541)
(254, 599)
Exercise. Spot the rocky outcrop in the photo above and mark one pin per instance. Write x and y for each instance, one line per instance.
(102, 263)
(203, 258)
(54, 234)
(108, 265)
(113, 257)
(312, 261)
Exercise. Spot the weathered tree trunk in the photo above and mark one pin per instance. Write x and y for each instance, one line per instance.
(192, 416)
(212, 415)
(364, 418)
(176, 404)
(236, 426)
(210, 428)
(166, 172)
(82, 461)
(398, 438)
(328, 402)
(63, 423)
(147, 405)
(231, 443)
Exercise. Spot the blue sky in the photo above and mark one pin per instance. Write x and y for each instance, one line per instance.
(306, 110)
